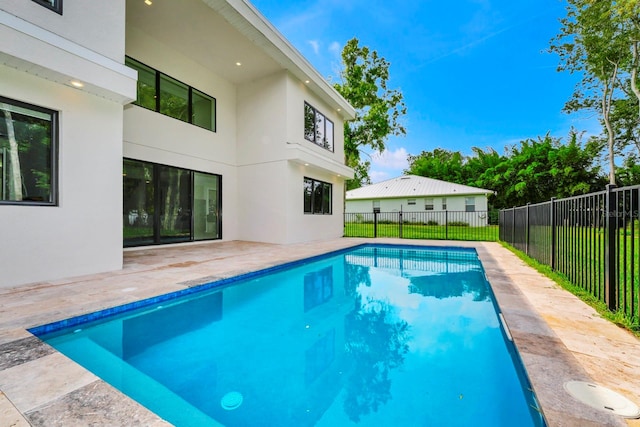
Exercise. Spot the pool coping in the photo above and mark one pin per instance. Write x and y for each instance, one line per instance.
(546, 354)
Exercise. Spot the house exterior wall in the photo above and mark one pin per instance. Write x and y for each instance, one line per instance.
(456, 209)
(96, 25)
(258, 148)
(154, 137)
(272, 153)
(83, 234)
(41, 52)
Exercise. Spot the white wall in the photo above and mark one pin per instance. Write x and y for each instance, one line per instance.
(271, 188)
(94, 24)
(455, 207)
(161, 139)
(309, 227)
(84, 233)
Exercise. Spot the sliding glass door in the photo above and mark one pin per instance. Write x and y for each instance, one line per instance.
(165, 204)
(175, 204)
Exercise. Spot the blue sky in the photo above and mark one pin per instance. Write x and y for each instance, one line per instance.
(474, 73)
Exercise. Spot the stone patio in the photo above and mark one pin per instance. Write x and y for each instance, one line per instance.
(559, 337)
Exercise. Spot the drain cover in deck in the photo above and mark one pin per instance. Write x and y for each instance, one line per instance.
(602, 398)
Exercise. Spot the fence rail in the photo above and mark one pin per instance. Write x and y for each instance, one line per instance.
(436, 225)
(592, 239)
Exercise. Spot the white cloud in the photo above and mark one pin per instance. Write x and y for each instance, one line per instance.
(396, 159)
(335, 48)
(377, 176)
(315, 45)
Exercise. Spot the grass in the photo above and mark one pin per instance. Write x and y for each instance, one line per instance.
(423, 231)
(619, 317)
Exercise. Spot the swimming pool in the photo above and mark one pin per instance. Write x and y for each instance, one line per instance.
(377, 335)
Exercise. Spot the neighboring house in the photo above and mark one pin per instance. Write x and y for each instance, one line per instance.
(189, 120)
(421, 199)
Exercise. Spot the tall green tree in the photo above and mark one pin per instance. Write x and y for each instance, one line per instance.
(530, 172)
(364, 79)
(599, 40)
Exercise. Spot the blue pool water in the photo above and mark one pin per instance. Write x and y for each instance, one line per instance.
(373, 336)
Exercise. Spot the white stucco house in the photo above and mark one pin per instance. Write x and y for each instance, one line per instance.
(132, 123)
(421, 199)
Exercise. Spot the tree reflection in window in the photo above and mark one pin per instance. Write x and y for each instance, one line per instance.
(27, 153)
(318, 128)
(317, 197)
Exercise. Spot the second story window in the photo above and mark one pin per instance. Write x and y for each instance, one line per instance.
(317, 128)
(55, 5)
(166, 95)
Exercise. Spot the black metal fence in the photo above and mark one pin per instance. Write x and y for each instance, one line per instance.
(436, 225)
(592, 239)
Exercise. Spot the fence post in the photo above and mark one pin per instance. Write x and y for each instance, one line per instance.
(400, 223)
(553, 234)
(526, 232)
(446, 225)
(513, 226)
(375, 224)
(610, 250)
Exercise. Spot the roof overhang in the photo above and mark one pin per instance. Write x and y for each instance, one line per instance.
(34, 50)
(218, 34)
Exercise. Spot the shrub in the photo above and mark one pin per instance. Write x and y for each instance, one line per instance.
(432, 222)
(458, 224)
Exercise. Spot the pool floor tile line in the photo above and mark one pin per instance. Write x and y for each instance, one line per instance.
(558, 336)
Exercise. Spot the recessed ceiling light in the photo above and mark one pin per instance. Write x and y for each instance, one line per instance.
(148, 2)
(306, 81)
(238, 63)
(76, 83)
(339, 109)
(306, 164)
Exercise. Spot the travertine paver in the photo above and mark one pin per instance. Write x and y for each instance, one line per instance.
(559, 338)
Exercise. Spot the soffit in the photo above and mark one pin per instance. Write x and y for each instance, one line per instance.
(219, 33)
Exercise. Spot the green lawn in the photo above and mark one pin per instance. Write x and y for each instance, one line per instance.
(580, 258)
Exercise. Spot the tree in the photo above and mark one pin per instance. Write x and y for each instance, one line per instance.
(438, 164)
(378, 109)
(531, 172)
(15, 176)
(599, 40)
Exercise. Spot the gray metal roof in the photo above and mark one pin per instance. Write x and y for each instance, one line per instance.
(413, 186)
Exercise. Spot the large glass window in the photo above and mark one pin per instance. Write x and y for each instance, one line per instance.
(168, 96)
(202, 113)
(317, 128)
(28, 152)
(138, 202)
(165, 204)
(174, 98)
(206, 206)
(470, 204)
(317, 197)
(55, 5)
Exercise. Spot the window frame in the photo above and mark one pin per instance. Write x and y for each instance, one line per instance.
(157, 239)
(53, 165)
(325, 120)
(444, 203)
(312, 208)
(468, 207)
(411, 202)
(429, 204)
(57, 7)
(132, 62)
